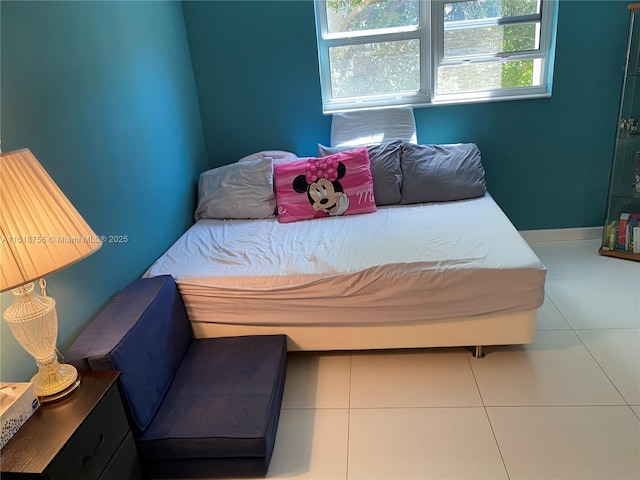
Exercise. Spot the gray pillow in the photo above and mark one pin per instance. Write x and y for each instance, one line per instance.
(237, 190)
(440, 173)
(385, 169)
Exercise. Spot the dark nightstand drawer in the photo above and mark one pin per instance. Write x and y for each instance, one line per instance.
(125, 464)
(89, 450)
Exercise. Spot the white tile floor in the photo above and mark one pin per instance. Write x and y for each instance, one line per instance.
(565, 407)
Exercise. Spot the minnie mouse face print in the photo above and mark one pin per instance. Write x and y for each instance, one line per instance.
(321, 182)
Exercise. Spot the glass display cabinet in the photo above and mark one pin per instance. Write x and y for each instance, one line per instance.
(621, 233)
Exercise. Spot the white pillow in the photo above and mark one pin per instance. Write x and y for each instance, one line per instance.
(277, 156)
(372, 127)
(237, 190)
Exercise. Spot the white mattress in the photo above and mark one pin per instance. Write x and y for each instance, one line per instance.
(400, 264)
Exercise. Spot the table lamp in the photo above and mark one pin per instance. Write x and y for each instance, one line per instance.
(40, 233)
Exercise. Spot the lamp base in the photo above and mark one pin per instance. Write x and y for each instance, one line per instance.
(33, 321)
(53, 378)
(57, 396)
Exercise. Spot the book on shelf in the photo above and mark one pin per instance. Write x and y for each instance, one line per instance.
(623, 239)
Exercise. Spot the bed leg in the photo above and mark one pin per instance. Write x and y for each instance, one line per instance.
(478, 353)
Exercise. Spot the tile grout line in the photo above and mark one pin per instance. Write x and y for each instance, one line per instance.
(603, 370)
(574, 330)
(495, 439)
(560, 312)
(473, 374)
(486, 413)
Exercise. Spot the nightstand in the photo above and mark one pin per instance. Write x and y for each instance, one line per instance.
(84, 436)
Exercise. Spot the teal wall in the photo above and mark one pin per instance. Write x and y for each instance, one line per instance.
(104, 96)
(547, 161)
(256, 69)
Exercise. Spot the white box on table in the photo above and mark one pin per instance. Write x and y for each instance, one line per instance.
(18, 401)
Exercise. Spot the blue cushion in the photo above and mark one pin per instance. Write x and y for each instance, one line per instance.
(144, 332)
(224, 403)
(202, 407)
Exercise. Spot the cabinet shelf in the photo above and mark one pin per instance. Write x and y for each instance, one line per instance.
(627, 195)
(620, 254)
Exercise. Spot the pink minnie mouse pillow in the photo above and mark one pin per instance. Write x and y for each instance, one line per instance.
(339, 184)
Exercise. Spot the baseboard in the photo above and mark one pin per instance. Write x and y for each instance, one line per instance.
(560, 234)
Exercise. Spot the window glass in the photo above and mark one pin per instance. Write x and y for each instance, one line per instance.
(375, 68)
(353, 16)
(491, 40)
(482, 9)
(481, 77)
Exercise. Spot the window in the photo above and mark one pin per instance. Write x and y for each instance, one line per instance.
(417, 52)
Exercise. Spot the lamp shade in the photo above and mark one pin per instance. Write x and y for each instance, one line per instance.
(40, 231)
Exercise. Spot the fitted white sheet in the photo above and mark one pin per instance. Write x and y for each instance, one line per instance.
(400, 264)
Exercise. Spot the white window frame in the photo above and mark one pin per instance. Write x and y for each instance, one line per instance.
(430, 33)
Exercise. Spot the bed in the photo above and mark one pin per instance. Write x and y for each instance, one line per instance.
(434, 263)
(438, 274)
